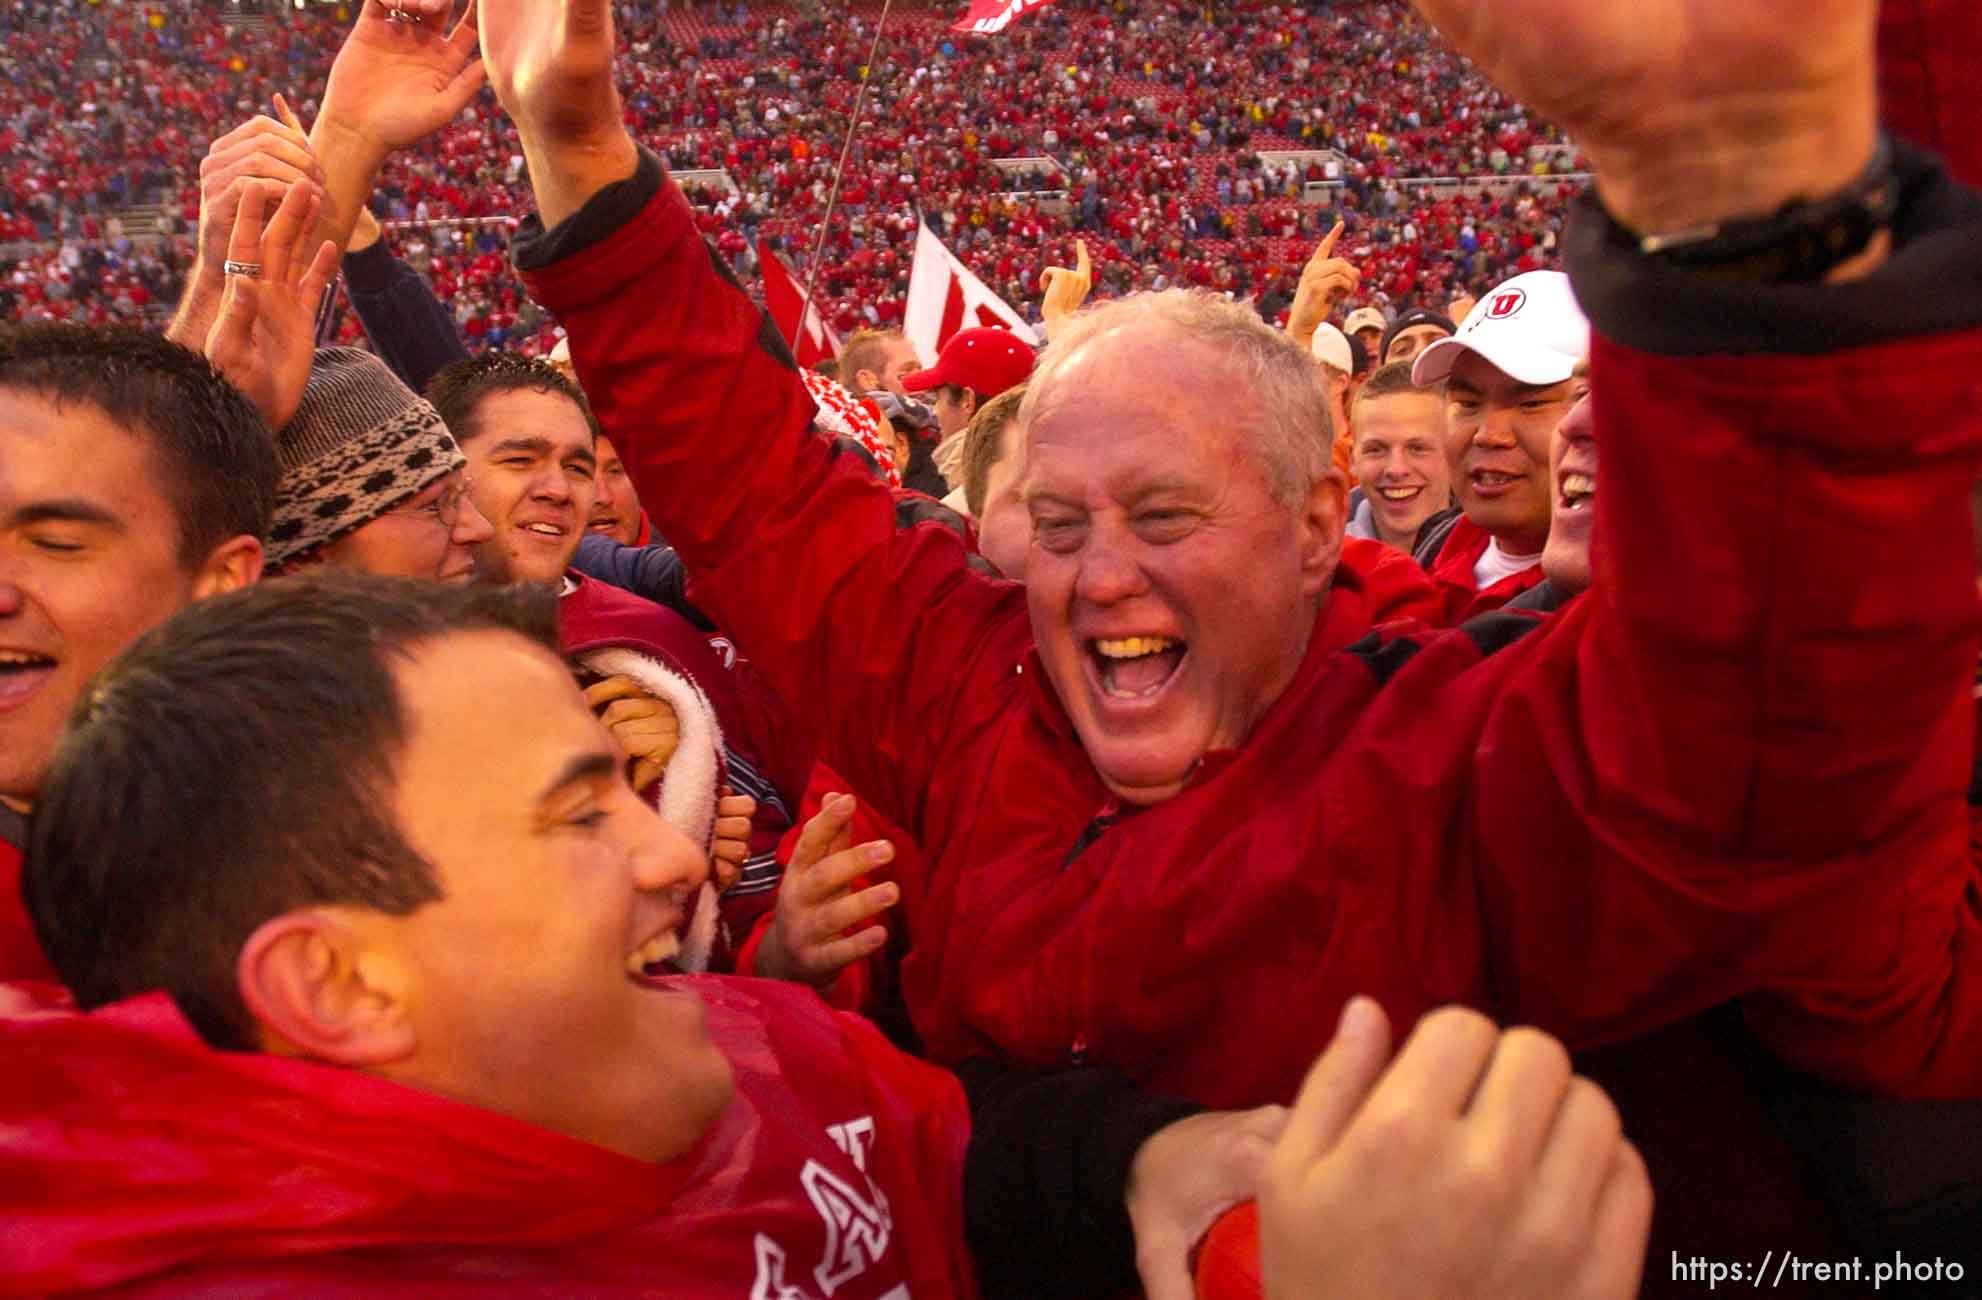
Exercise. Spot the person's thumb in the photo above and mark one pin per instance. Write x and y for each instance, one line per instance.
(1164, 1264)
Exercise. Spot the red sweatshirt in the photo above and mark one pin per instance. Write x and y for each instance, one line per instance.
(133, 1155)
(1727, 772)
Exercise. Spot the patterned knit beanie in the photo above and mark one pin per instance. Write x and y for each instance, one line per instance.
(360, 444)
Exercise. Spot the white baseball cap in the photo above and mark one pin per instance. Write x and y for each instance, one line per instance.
(1366, 318)
(1330, 346)
(1530, 328)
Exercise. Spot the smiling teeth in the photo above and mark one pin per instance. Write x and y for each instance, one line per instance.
(1133, 647)
(662, 947)
(23, 658)
(1579, 485)
(548, 530)
(1398, 494)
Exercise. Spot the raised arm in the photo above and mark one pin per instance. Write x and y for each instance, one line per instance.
(1736, 765)
(868, 630)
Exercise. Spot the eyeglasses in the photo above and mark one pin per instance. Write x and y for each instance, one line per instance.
(444, 509)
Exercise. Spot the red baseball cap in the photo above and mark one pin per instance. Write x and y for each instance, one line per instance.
(987, 361)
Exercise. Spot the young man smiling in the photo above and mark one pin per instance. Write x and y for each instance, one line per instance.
(530, 441)
(133, 481)
(1507, 383)
(435, 960)
(1399, 460)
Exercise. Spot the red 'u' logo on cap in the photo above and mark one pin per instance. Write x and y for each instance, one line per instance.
(1506, 304)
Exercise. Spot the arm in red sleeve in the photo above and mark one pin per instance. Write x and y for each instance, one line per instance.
(1740, 755)
(883, 638)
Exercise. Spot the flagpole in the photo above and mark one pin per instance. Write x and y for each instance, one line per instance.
(833, 196)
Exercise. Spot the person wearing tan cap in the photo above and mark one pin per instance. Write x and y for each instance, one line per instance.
(1367, 324)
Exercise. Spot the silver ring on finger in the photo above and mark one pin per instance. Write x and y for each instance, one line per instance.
(252, 270)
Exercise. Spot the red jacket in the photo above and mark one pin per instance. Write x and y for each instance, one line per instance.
(1709, 778)
(133, 1155)
(21, 957)
(1453, 570)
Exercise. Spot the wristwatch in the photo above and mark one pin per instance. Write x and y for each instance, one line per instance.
(1801, 243)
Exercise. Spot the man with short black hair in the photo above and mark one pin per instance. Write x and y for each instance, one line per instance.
(529, 437)
(134, 479)
(435, 941)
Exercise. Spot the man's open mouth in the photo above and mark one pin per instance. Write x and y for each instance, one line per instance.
(654, 959)
(1135, 667)
(546, 530)
(1577, 491)
(602, 524)
(21, 672)
(1399, 495)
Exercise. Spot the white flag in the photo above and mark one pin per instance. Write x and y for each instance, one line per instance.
(944, 297)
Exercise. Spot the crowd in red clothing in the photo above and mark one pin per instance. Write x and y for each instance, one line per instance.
(1155, 120)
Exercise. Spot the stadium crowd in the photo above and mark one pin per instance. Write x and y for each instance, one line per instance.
(1156, 118)
(562, 798)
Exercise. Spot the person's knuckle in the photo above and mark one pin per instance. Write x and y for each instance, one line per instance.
(1481, 1175)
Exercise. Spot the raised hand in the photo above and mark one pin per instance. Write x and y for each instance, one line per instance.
(277, 153)
(1325, 281)
(1693, 111)
(397, 80)
(1474, 1165)
(550, 62)
(817, 905)
(1065, 289)
(265, 335)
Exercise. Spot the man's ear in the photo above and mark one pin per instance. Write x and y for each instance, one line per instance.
(230, 566)
(969, 402)
(1324, 517)
(866, 381)
(308, 981)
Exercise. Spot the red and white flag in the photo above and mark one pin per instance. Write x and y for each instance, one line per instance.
(989, 16)
(812, 341)
(944, 297)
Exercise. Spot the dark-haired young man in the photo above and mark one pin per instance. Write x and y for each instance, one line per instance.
(134, 480)
(454, 1062)
(530, 440)
(291, 825)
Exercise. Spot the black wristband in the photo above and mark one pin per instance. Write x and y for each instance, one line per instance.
(1801, 243)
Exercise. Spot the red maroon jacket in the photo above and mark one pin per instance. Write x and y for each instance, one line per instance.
(133, 1155)
(1729, 771)
(1453, 569)
(21, 957)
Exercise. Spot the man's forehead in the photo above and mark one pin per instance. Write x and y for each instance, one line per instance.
(533, 413)
(39, 436)
(448, 680)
